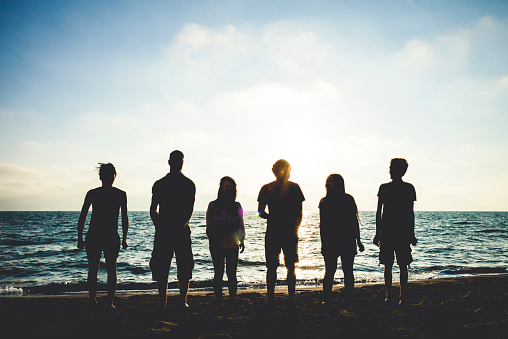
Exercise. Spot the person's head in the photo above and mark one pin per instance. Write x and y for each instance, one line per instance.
(175, 161)
(335, 184)
(398, 168)
(227, 189)
(107, 173)
(281, 169)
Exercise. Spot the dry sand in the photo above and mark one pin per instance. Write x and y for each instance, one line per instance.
(472, 307)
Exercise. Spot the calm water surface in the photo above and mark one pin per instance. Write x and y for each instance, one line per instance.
(39, 255)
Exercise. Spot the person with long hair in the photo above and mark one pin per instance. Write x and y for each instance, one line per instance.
(102, 236)
(340, 233)
(226, 233)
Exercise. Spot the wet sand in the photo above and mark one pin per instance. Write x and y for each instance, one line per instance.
(459, 307)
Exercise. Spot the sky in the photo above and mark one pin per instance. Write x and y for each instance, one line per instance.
(331, 86)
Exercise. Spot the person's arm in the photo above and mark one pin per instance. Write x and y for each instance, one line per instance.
(261, 210)
(357, 228)
(241, 228)
(378, 220)
(209, 221)
(413, 237)
(322, 230)
(125, 222)
(187, 214)
(299, 214)
(154, 215)
(82, 219)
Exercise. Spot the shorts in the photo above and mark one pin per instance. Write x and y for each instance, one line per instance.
(275, 243)
(338, 249)
(96, 244)
(388, 251)
(164, 247)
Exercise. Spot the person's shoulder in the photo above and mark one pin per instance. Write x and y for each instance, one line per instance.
(187, 179)
(119, 191)
(161, 180)
(350, 197)
(409, 185)
(294, 186)
(269, 186)
(322, 201)
(93, 191)
(157, 184)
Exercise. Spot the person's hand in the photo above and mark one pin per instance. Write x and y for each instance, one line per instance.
(264, 215)
(81, 244)
(124, 244)
(360, 246)
(414, 241)
(242, 247)
(376, 240)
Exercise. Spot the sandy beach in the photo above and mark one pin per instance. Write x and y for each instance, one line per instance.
(460, 307)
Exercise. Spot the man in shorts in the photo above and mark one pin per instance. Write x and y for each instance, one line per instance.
(284, 200)
(395, 226)
(171, 209)
(102, 235)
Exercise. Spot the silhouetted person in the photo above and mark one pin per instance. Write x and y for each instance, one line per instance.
(340, 233)
(171, 209)
(284, 200)
(395, 225)
(226, 233)
(102, 235)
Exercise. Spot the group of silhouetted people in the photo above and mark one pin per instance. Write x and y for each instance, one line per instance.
(279, 202)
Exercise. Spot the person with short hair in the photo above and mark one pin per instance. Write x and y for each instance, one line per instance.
(102, 236)
(284, 201)
(170, 210)
(226, 234)
(395, 226)
(340, 234)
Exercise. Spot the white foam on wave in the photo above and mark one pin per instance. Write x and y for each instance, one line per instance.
(11, 290)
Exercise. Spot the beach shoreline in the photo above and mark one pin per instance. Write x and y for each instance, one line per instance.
(465, 306)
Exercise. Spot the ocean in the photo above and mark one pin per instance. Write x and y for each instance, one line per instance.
(38, 252)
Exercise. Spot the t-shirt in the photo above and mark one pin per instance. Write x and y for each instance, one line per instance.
(338, 220)
(397, 218)
(284, 201)
(224, 224)
(175, 194)
(106, 202)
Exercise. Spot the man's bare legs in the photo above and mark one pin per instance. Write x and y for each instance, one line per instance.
(183, 286)
(403, 277)
(291, 281)
(403, 283)
(388, 281)
(162, 287)
(271, 279)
